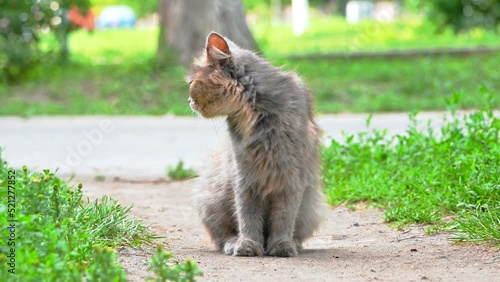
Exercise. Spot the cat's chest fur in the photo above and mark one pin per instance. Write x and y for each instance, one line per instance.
(269, 154)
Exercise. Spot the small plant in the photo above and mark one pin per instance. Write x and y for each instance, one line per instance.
(180, 173)
(100, 178)
(165, 270)
(105, 267)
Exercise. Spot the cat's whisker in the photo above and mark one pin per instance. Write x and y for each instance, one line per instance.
(216, 130)
(218, 123)
(189, 111)
(221, 122)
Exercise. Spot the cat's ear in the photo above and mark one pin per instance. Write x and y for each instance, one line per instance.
(217, 47)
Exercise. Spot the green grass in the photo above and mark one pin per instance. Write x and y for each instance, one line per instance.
(370, 85)
(114, 46)
(333, 34)
(108, 47)
(377, 85)
(179, 172)
(113, 72)
(108, 89)
(60, 237)
(161, 266)
(425, 176)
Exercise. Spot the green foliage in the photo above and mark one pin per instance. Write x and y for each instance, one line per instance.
(479, 223)
(106, 47)
(465, 14)
(105, 267)
(110, 224)
(378, 85)
(20, 26)
(59, 237)
(334, 34)
(179, 172)
(164, 270)
(113, 78)
(100, 178)
(423, 176)
(111, 90)
(253, 4)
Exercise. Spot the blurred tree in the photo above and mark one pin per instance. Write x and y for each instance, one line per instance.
(342, 7)
(184, 25)
(20, 25)
(464, 14)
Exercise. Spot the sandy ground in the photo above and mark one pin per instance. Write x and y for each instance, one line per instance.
(350, 246)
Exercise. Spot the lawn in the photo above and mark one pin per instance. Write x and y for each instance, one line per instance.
(333, 34)
(378, 85)
(113, 72)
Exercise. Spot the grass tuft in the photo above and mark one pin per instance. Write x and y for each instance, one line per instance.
(179, 172)
(111, 225)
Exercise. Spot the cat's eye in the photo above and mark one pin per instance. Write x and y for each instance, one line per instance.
(188, 79)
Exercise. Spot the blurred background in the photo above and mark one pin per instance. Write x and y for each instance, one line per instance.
(125, 57)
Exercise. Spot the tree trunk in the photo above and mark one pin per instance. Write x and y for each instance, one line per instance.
(342, 7)
(185, 24)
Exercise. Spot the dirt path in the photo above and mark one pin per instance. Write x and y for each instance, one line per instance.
(351, 245)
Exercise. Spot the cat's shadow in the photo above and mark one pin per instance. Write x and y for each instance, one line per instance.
(333, 253)
(323, 253)
(316, 251)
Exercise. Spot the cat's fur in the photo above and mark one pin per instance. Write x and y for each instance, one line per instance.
(261, 193)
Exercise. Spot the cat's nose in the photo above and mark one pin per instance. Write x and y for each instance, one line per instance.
(189, 100)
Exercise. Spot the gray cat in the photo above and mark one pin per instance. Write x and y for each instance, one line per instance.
(261, 193)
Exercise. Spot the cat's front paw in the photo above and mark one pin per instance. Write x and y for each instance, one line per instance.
(247, 248)
(230, 245)
(282, 249)
(298, 247)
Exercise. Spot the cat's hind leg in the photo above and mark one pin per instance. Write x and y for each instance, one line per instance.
(216, 209)
(310, 215)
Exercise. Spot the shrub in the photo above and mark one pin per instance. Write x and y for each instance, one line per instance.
(20, 25)
(59, 237)
(465, 14)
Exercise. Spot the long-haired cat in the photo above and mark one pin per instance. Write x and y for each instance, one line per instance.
(261, 194)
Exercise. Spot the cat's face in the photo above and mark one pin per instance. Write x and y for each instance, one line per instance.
(211, 92)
